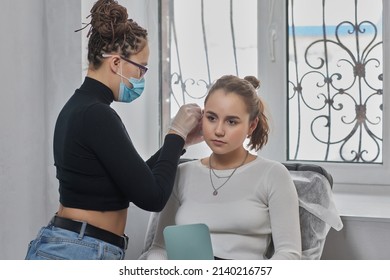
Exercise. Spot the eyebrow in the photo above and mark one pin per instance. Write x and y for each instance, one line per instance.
(227, 117)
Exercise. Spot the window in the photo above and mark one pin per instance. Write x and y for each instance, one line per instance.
(275, 70)
(197, 30)
(335, 75)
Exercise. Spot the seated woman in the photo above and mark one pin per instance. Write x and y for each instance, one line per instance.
(244, 199)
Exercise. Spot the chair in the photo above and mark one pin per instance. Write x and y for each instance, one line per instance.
(317, 210)
(310, 167)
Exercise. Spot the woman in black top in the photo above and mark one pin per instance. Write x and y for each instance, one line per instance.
(98, 168)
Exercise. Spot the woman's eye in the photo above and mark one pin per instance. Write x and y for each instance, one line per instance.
(210, 118)
(232, 122)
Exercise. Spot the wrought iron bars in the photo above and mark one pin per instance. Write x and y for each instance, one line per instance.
(335, 89)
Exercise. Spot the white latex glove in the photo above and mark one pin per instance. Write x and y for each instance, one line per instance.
(195, 136)
(186, 119)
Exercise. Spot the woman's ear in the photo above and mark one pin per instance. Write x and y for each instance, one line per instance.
(115, 63)
(252, 126)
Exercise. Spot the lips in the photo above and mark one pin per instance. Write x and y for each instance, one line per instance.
(218, 142)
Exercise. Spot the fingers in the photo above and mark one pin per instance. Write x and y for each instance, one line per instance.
(186, 119)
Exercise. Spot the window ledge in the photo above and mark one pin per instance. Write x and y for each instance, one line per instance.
(362, 202)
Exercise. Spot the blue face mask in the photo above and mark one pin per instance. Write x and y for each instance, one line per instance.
(127, 94)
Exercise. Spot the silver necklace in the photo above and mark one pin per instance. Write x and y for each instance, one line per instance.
(215, 192)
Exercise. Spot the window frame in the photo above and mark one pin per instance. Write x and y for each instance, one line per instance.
(272, 69)
(272, 63)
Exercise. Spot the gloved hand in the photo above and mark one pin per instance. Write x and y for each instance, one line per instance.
(195, 136)
(186, 119)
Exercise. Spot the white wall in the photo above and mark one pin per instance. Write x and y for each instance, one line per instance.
(361, 239)
(39, 71)
(22, 124)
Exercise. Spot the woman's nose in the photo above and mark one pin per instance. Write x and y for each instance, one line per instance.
(219, 130)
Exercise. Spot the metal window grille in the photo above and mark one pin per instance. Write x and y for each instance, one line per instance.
(335, 80)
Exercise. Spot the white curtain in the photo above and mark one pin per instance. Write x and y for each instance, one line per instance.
(38, 73)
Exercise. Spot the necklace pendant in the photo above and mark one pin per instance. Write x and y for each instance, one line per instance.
(215, 193)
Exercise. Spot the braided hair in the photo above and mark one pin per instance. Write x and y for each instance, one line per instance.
(112, 31)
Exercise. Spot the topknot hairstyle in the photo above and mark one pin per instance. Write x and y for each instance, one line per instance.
(112, 31)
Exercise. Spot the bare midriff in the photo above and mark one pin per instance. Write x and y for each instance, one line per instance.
(113, 221)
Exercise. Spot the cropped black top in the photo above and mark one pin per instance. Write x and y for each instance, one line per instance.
(97, 165)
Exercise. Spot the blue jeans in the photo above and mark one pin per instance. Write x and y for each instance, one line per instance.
(54, 243)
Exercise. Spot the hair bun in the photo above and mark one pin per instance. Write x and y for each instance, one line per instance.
(109, 18)
(253, 80)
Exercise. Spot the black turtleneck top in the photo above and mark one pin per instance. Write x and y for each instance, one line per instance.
(98, 167)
